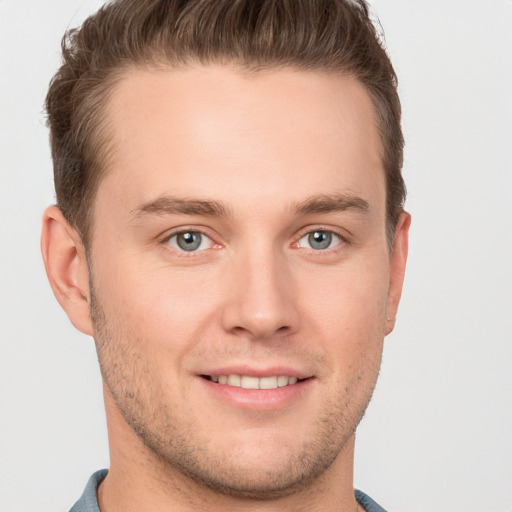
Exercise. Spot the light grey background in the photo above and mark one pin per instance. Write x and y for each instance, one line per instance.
(438, 435)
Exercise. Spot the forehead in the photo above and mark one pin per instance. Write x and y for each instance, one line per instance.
(206, 131)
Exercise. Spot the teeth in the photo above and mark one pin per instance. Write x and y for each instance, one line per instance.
(268, 383)
(249, 382)
(282, 381)
(234, 380)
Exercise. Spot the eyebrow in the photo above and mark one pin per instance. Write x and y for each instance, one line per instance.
(331, 203)
(169, 205)
(172, 205)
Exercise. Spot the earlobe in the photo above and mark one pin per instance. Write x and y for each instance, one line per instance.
(398, 260)
(66, 268)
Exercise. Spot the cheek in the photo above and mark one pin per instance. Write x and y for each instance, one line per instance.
(349, 296)
(347, 310)
(158, 307)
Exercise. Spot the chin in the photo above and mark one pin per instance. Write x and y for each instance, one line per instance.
(271, 480)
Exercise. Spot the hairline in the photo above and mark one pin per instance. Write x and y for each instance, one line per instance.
(103, 138)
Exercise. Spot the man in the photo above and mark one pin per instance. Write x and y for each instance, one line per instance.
(230, 229)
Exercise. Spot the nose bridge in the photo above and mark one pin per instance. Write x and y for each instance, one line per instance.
(261, 302)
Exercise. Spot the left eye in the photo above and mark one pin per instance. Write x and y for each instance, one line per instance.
(320, 240)
(190, 241)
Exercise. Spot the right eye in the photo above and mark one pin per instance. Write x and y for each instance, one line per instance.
(190, 241)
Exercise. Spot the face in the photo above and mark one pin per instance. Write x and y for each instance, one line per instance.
(242, 283)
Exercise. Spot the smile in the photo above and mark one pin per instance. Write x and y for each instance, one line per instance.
(251, 382)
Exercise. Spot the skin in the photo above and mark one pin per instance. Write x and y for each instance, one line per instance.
(255, 162)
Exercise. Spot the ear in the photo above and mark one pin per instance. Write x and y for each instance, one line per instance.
(398, 260)
(66, 268)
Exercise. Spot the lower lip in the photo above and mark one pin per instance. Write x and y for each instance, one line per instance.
(259, 399)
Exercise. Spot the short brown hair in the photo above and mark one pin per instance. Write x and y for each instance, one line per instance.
(331, 35)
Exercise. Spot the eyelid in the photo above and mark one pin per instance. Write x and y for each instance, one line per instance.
(343, 237)
(164, 239)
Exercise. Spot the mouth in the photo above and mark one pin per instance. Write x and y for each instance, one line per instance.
(252, 382)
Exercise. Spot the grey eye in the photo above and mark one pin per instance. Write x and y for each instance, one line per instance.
(189, 241)
(320, 239)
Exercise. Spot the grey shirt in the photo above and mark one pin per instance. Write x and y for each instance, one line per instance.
(89, 500)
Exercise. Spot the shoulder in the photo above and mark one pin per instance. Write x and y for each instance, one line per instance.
(367, 503)
(88, 502)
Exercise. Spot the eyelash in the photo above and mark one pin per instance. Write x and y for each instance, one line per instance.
(182, 252)
(342, 241)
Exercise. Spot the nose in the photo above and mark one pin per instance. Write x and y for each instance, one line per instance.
(261, 301)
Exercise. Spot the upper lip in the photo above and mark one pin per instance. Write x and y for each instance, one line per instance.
(251, 371)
